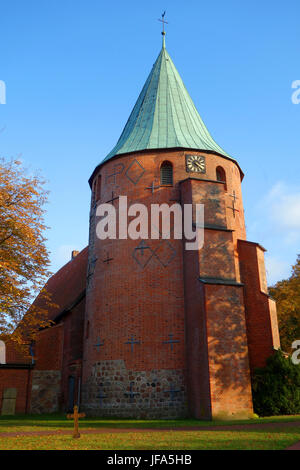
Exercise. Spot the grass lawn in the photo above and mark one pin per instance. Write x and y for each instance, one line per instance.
(278, 437)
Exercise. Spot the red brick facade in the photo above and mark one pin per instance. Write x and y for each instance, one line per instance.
(145, 328)
(146, 293)
(43, 386)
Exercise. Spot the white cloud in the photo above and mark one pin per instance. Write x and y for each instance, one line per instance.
(283, 203)
(276, 269)
(276, 225)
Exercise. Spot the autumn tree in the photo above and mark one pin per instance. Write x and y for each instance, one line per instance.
(287, 296)
(24, 258)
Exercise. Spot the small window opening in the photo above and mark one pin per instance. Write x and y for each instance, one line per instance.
(221, 175)
(166, 174)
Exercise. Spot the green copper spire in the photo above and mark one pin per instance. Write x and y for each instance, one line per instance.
(164, 115)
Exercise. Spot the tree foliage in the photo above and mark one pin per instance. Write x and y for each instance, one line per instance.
(276, 387)
(287, 296)
(24, 258)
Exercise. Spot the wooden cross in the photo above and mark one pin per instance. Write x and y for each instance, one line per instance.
(75, 415)
(171, 341)
(152, 187)
(163, 21)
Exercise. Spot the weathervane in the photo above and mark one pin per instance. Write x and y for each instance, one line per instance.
(163, 22)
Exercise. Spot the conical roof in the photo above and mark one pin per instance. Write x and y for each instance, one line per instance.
(164, 115)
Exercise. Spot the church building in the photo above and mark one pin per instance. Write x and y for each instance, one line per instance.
(144, 328)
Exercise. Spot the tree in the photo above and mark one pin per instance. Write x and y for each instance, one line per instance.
(287, 296)
(24, 258)
(276, 387)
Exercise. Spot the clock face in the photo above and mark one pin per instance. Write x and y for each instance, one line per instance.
(195, 163)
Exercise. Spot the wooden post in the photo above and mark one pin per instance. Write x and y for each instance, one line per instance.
(76, 417)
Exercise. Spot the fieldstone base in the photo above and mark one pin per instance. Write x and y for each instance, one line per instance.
(112, 390)
(45, 391)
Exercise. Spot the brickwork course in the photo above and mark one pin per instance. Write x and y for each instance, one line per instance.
(146, 328)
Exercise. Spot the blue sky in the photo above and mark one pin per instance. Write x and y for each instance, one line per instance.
(73, 71)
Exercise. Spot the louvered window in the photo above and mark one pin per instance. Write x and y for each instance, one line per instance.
(166, 174)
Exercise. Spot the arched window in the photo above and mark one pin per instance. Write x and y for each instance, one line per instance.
(221, 175)
(2, 353)
(166, 174)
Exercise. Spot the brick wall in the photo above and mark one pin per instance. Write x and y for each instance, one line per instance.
(73, 325)
(46, 377)
(218, 367)
(139, 293)
(261, 318)
(19, 379)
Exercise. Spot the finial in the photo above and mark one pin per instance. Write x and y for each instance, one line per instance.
(163, 31)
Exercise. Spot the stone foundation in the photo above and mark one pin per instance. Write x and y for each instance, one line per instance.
(45, 393)
(108, 392)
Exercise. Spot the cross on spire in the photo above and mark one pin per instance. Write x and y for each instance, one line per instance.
(163, 21)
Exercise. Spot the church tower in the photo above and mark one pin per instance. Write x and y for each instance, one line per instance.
(170, 332)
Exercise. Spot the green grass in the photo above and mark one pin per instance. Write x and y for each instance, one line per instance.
(58, 421)
(170, 440)
(275, 438)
